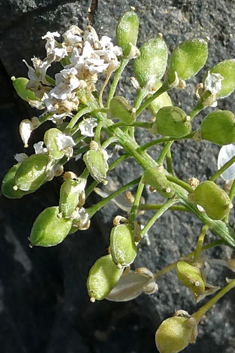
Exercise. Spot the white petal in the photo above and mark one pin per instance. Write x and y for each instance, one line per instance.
(39, 148)
(213, 82)
(87, 126)
(20, 157)
(64, 141)
(25, 129)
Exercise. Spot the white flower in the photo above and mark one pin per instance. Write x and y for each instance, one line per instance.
(25, 129)
(39, 148)
(64, 141)
(51, 42)
(213, 82)
(20, 157)
(86, 127)
(66, 82)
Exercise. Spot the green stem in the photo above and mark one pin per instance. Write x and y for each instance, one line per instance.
(150, 207)
(200, 242)
(76, 117)
(222, 169)
(196, 110)
(146, 103)
(169, 162)
(116, 78)
(136, 202)
(92, 210)
(201, 312)
(179, 182)
(164, 151)
(158, 214)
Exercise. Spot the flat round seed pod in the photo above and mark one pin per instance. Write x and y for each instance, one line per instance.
(173, 122)
(70, 192)
(96, 165)
(150, 66)
(213, 199)
(122, 246)
(121, 110)
(102, 278)
(187, 59)
(127, 31)
(20, 86)
(159, 182)
(9, 182)
(32, 172)
(49, 229)
(219, 127)
(50, 140)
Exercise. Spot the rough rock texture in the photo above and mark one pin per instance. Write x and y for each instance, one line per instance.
(44, 306)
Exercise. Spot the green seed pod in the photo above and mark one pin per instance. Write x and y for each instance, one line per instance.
(50, 140)
(20, 87)
(226, 69)
(70, 192)
(102, 278)
(191, 277)
(32, 172)
(187, 59)
(121, 110)
(175, 333)
(158, 181)
(214, 200)
(150, 66)
(49, 229)
(9, 182)
(219, 127)
(173, 122)
(163, 100)
(127, 31)
(96, 165)
(122, 245)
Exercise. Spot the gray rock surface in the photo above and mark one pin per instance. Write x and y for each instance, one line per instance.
(44, 306)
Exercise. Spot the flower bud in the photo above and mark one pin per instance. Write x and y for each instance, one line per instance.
(213, 199)
(218, 127)
(20, 87)
(102, 278)
(175, 333)
(158, 181)
(127, 31)
(32, 172)
(226, 69)
(163, 100)
(96, 164)
(191, 277)
(70, 193)
(173, 122)
(187, 59)
(150, 66)
(49, 229)
(122, 245)
(121, 110)
(8, 183)
(50, 139)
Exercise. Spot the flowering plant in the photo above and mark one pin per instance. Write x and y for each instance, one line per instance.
(93, 128)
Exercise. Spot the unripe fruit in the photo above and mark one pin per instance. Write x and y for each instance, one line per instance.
(49, 228)
(187, 59)
(96, 165)
(20, 87)
(127, 31)
(158, 181)
(173, 122)
(226, 69)
(191, 277)
(213, 199)
(150, 66)
(9, 182)
(219, 127)
(121, 110)
(70, 192)
(122, 245)
(174, 334)
(50, 140)
(102, 278)
(32, 172)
